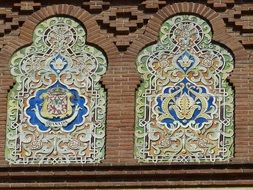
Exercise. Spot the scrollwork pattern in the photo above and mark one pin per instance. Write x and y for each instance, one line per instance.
(56, 109)
(184, 105)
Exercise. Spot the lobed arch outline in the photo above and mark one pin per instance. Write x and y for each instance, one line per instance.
(94, 37)
(220, 36)
(151, 33)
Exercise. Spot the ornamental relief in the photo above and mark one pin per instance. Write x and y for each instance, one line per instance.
(56, 109)
(184, 105)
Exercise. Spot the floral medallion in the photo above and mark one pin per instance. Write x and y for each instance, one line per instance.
(184, 105)
(56, 109)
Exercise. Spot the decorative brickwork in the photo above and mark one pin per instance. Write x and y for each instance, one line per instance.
(18, 20)
(96, 5)
(240, 23)
(131, 18)
(123, 23)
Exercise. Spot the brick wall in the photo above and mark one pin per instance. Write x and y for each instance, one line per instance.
(122, 29)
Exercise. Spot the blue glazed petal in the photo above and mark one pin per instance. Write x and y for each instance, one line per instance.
(196, 96)
(76, 100)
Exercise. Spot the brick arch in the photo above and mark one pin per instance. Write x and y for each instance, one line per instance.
(219, 30)
(94, 36)
(93, 31)
(220, 36)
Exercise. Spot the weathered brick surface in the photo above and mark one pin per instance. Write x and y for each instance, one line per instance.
(122, 29)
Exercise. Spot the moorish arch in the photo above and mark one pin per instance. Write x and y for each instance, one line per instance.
(184, 105)
(56, 109)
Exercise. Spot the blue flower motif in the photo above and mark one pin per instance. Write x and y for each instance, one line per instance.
(186, 61)
(185, 104)
(58, 63)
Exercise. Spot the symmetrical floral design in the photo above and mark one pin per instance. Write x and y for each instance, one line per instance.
(185, 105)
(184, 110)
(56, 109)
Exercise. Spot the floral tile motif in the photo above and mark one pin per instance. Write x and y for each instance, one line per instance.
(184, 106)
(56, 109)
